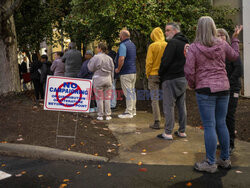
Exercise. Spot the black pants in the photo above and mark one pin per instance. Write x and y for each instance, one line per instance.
(38, 89)
(230, 120)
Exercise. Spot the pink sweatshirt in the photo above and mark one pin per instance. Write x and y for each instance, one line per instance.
(205, 66)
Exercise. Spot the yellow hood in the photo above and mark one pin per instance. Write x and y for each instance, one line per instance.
(157, 35)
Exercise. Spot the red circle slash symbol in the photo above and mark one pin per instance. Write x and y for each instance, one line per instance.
(74, 91)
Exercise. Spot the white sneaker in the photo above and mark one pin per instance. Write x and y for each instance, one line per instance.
(125, 115)
(108, 118)
(100, 118)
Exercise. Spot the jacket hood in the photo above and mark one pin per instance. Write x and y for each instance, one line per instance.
(157, 35)
(211, 52)
(181, 37)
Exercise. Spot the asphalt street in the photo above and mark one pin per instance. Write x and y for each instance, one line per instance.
(41, 173)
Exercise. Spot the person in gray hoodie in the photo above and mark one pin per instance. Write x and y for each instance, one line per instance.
(73, 61)
(103, 68)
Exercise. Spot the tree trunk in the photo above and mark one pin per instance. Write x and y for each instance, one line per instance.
(9, 74)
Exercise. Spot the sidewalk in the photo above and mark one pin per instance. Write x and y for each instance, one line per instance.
(139, 144)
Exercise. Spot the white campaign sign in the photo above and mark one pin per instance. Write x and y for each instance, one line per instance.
(67, 94)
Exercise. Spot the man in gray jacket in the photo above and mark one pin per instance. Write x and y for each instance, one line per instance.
(103, 68)
(73, 61)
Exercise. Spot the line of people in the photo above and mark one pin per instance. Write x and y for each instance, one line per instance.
(212, 67)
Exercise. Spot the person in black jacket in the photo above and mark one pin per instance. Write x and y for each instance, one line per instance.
(173, 81)
(45, 70)
(35, 74)
(234, 73)
(23, 70)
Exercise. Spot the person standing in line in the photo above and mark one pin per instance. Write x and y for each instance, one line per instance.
(127, 71)
(205, 70)
(35, 74)
(45, 71)
(234, 74)
(153, 61)
(58, 67)
(85, 73)
(173, 81)
(113, 101)
(103, 68)
(23, 70)
(73, 61)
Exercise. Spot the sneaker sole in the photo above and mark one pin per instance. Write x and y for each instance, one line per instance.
(210, 171)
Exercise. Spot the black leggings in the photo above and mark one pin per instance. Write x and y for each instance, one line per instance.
(38, 89)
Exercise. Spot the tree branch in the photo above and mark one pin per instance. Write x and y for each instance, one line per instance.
(10, 11)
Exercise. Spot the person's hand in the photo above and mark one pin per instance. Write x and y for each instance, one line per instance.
(237, 31)
(117, 71)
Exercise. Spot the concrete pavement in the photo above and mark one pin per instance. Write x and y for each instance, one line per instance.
(139, 143)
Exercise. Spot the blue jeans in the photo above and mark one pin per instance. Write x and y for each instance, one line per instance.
(114, 96)
(213, 111)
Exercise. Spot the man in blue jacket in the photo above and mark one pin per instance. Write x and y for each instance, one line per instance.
(127, 70)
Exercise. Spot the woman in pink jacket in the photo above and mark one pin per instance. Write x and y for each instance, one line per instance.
(206, 73)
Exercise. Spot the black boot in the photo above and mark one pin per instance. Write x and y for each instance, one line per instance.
(156, 125)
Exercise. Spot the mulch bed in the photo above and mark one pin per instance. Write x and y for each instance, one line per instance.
(20, 122)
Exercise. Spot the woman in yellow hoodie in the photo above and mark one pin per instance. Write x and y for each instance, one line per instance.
(153, 61)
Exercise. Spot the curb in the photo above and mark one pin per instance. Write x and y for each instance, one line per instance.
(30, 151)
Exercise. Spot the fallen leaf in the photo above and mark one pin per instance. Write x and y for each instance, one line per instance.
(78, 172)
(239, 172)
(73, 145)
(140, 163)
(63, 185)
(40, 176)
(23, 172)
(109, 174)
(99, 166)
(144, 150)
(93, 122)
(109, 150)
(143, 169)
(189, 184)
(105, 129)
(66, 180)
